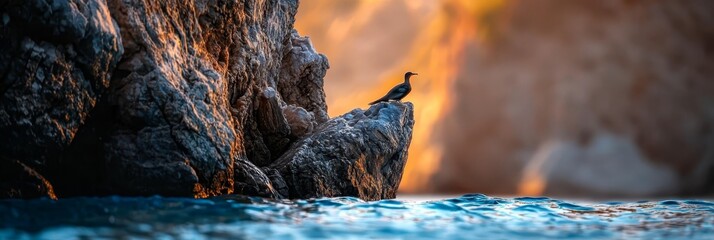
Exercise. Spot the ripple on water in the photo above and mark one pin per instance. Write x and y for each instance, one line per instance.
(532, 208)
(532, 199)
(468, 216)
(575, 207)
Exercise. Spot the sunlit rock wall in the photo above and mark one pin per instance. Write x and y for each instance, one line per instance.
(186, 88)
(178, 98)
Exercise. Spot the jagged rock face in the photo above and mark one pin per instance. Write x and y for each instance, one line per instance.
(361, 153)
(301, 78)
(55, 61)
(173, 134)
(205, 97)
(196, 95)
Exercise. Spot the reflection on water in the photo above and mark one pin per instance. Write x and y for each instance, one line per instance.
(468, 216)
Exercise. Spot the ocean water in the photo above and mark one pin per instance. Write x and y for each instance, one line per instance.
(473, 216)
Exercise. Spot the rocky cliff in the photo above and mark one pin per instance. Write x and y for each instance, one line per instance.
(181, 98)
(361, 153)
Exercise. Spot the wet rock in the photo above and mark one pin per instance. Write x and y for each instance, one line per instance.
(277, 181)
(17, 180)
(252, 181)
(361, 153)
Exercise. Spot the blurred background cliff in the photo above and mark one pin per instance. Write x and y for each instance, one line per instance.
(555, 97)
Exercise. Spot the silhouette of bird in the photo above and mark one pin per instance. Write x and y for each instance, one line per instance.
(398, 92)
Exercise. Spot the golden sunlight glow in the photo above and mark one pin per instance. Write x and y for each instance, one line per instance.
(532, 181)
(370, 44)
(532, 185)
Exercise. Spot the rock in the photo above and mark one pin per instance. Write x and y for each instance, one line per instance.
(184, 73)
(55, 61)
(361, 153)
(17, 180)
(301, 121)
(194, 99)
(272, 125)
(252, 181)
(204, 99)
(301, 79)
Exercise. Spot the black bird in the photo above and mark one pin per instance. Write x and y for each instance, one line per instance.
(398, 92)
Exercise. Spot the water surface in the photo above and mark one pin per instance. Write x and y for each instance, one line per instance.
(465, 217)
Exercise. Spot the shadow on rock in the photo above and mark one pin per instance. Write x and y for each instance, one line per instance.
(361, 153)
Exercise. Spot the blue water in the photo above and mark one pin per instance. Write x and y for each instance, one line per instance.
(465, 217)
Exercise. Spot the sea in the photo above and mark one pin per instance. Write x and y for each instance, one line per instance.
(470, 216)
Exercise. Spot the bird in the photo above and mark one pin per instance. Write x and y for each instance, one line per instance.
(398, 92)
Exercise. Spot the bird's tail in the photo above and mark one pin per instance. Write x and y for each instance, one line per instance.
(376, 101)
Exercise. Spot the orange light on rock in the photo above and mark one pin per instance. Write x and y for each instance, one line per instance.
(426, 37)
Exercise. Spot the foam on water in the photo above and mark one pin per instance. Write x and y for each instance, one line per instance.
(466, 217)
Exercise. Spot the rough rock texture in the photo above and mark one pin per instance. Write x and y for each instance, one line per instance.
(361, 153)
(55, 61)
(173, 133)
(195, 96)
(176, 98)
(301, 77)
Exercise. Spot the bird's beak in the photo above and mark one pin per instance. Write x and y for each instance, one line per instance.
(415, 74)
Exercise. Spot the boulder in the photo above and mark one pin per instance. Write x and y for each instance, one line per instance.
(361, 153)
